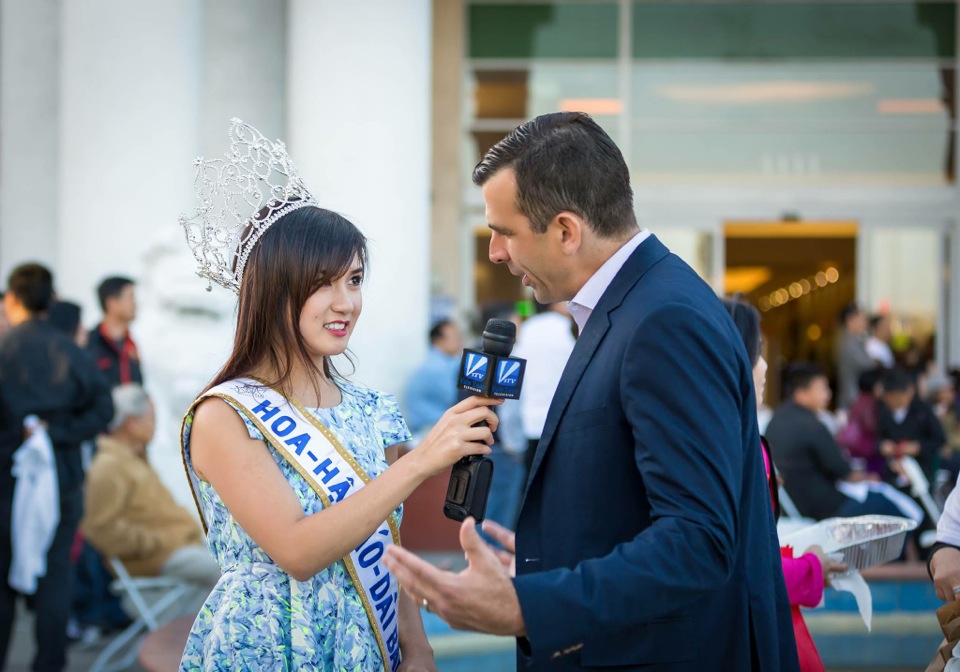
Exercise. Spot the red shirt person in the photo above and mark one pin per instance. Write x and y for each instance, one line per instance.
(110, 345)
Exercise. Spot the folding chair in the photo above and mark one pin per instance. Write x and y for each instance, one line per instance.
(121, 652)
(920, 489)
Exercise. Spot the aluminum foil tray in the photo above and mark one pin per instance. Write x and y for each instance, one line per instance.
(866, 541)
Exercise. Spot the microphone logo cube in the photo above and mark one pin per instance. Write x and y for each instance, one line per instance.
(491, 376)
(507, 371)
(475, 370)
(475, 366)
(508, 379)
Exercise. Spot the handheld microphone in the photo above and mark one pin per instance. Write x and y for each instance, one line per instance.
(489, 372)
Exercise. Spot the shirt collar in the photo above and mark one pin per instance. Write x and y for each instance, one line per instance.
(583, 304)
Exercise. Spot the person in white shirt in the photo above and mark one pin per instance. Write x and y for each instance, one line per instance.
(546, 342)
(878, 344)
(943, 563)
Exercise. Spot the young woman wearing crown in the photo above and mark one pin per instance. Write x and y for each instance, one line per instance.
(288, 461)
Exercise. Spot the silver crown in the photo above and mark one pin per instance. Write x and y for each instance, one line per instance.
(240, 196)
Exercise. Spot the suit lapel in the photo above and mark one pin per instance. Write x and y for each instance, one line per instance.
(643, 258)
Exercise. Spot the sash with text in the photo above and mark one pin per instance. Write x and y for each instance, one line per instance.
(334, 474)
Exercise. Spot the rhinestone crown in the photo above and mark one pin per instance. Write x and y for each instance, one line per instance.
(241, 196)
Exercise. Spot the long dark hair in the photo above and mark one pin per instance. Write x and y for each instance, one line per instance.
(746, 318)
(299, 253)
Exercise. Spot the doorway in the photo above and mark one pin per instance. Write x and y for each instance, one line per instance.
(799, 274)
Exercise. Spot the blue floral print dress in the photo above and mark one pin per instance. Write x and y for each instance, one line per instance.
(258, 617)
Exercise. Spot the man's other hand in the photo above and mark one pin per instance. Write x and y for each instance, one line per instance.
(480, 598)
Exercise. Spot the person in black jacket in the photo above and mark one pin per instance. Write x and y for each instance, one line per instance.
(110, 344)
(809, 458)
(44, 373)
(907, 425)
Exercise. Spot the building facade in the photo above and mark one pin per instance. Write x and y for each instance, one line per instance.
(800, 152)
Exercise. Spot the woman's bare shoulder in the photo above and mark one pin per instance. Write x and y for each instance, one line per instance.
(217, 427)
(216, 414)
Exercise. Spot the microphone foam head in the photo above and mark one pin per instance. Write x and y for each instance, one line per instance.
(499, 337)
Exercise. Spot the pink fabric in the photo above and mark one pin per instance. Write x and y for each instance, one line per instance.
(804, 579)
(806, 648)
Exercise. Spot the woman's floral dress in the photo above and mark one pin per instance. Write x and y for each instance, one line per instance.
(258, 617)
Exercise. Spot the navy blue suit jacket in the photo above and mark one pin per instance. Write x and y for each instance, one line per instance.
(646, 539)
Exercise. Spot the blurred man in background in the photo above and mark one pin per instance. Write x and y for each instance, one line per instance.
(907, 425)
(44, 373)
(110, 344)
(852, 358)
(432, 386)
(546, 343)
(130, 514)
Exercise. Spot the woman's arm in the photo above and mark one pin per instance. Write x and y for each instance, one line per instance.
(807, 576)
(258, 496)
(415, 650)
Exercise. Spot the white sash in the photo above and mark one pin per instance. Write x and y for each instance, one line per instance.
(334, 474)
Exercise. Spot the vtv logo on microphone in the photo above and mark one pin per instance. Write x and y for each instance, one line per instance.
(507, 371)
(475, 367)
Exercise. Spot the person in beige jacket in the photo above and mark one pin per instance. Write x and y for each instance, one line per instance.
(129, 513)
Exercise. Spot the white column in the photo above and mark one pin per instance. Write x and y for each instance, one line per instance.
(359, 129)
(29, 132)
(953, 293)
(129, 129)
(244, 69)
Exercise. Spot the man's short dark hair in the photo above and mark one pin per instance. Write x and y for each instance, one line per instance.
(32, 284)
(869, 379)
(896, 380)
(875, 322)
(111, 288)
(436, 331)
(847, 312)
(564, 161)
(799, 376)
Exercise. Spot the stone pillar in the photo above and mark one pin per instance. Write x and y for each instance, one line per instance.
(29, 133)
(129, 128)
(447, 260)
(244, 69)
(359, 129)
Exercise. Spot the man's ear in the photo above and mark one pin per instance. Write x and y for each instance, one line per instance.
(570, 229)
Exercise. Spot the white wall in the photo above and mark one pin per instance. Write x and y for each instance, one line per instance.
(358, 126)
(29, 132)
(129, 129)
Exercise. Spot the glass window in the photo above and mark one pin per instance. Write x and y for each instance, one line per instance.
(815, 123)
(793, 30)
(744, 158)
(568, 30)
(500, 99)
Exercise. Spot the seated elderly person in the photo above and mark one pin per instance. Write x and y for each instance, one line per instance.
(129, 513)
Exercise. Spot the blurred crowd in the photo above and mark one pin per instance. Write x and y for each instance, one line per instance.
(894, 421)
(834, 440)
(79, 493)
(845, 446)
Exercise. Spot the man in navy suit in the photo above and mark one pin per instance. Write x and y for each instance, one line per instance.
(646, 539)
